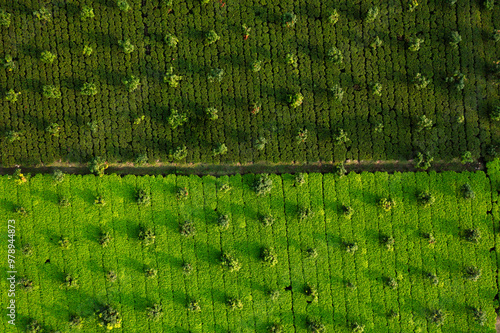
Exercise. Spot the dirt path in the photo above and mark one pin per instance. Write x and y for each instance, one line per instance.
(225, 169)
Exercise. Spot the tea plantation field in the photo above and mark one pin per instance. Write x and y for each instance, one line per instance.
(188, 81)
(400, 270)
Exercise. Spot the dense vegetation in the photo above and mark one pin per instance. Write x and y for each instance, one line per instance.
(408, 252)
(243, 81)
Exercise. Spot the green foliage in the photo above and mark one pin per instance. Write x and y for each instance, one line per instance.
(267, 220)
(301, 136)
(256, 65)
(150, 272)
(76, 322)
(141, 159)
(234, 303)
(412, 5)
(496, 36)
(143, 198)
(89, 89)
(263, 184)
(20, 210)
(260, 143)
(458, 79)
(87, 12)
(27, 250)
(229, 261)
(8, 63)
(131, 83)
(187, 268)
(424, 123)
(495, 113)
(433, 278)
(216, 74)
(111, 276)
(64, 202)
(187, 229)
(211, 37)
(58, 176)
(269, 256)
(97, 166)
(223, 221)
(480, 316)
(123, 5)
(455, 38)
(255, 108)
(171, 78)
(489, 4)
(472, 235)
(357, 327)
(311, 292)
(64, 242)
(388, 242)
(138, 120)
(220, 149)
(452, 2)
(109, 318)
(423, 160)
(154, 312)
(34, 327)
(182, 193)
(466, 157)
(53, 129)
(87, 50)
(335, 55)
(338, 92)
(51, 91)
(472, 273)
(100, 200)
(372, 14)
(347, 211)
(387, 203)
(467, 192)
(420, 81)
(275, 328)
(70, 281)
(437, 317)
(179, 153)
(11, 96)
(289, 19)
(300, 179)
(376, 88)
(194, 306)
(171, 40)
(105, 238)
(311, 253)
(339, 169)
(177, 119)
(414, 43)
(126, 45)
(295, 100)
(246, 30)
(146, 236)
(425, 199)
(25, 284)
(333, 17)
(391, 282)
(291, 59)
(19, 177)
(43, 14)
(377, 42)
(341, 137)
(314, 325)
(4, 18)
(351, 247)
(212, 113)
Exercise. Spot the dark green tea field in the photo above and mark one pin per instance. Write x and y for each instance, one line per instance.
(245, 81)
(407, 252)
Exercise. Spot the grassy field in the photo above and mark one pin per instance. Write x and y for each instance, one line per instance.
(126, 126)
(350, 287)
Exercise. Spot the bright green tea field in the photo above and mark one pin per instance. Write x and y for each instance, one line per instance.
(322, 266)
